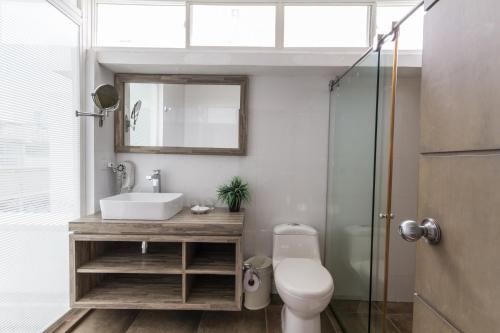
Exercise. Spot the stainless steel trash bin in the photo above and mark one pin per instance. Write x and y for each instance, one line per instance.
(257, 282)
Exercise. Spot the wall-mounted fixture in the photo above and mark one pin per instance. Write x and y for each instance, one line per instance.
(106, 100)
(126, 175)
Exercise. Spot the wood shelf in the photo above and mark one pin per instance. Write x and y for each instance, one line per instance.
(127, 262)
(134, 292)
(220, 222)
(211, 267)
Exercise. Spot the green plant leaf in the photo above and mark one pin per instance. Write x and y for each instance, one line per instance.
(235, 192)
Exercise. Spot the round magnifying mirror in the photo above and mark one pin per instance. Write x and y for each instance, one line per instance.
(106, 98)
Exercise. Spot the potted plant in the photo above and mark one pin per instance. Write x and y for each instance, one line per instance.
(234, 193)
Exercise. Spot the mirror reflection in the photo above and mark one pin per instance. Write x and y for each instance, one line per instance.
(106, 98)
(182, 115)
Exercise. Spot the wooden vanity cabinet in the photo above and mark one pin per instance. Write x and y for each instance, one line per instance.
(193, 262)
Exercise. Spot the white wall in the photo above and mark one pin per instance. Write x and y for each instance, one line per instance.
(285, 165)
(99, 141)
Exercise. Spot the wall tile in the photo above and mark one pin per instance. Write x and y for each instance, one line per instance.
(460, 93)
(459, 276)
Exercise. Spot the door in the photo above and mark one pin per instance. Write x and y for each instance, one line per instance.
(457, 280)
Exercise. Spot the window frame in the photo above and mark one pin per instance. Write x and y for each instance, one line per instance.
(95, 15)
(279, 22)
(370, 23)
(189, 11)
(82, 17)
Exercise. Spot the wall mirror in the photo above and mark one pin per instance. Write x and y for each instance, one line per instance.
(181, 114)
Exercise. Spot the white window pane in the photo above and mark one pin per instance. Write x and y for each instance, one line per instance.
(141, 25)
(326, 26)
(412, 30)
(39, 161)
(233, 25)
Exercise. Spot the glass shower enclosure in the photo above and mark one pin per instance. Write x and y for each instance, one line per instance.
(357, 192)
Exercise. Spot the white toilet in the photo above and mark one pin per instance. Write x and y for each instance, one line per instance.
(305, 286)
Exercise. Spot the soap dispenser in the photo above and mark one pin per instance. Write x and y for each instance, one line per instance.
(127, 177)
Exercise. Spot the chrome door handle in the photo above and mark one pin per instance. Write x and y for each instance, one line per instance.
(411, 231)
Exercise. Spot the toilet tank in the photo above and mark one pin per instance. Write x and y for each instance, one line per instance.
(294, 240)
(358, 246)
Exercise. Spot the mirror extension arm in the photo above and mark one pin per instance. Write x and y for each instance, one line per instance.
(106, 100)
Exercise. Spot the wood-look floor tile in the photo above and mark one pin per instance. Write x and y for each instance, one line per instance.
(244, 321)
(106, 321)
(403, 322)
(273, 318)
(353, 306)
(358, 323)
(398, 307)
(326, 325)
(166, 322)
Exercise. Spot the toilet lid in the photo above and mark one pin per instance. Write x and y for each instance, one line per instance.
(303, 277)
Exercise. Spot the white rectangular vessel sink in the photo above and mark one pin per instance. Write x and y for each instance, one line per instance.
(141, 206)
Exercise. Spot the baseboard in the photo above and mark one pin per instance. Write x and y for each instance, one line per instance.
(68, 321)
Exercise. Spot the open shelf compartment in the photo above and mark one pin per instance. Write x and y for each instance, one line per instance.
(210, 258)
(214, 291)
(128, 291)
(126, 257)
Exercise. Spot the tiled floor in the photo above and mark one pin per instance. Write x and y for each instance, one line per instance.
(353, 316)
(134, 321)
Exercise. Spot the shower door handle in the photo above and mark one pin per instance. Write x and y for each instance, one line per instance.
(411, 231)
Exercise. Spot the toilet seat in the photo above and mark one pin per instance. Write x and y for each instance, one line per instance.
(303, 278)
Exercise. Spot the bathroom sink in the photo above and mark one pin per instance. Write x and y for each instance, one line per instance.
(141, 206)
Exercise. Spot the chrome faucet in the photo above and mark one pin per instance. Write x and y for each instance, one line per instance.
(155, 178)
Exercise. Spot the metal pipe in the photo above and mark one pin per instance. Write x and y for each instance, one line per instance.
(88, 114)
(336, 81)
(144, 247)
(390, 168)
(381, 40)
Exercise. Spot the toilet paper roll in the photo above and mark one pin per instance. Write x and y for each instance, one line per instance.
(251, 281)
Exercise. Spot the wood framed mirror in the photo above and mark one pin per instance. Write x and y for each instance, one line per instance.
(181, 114)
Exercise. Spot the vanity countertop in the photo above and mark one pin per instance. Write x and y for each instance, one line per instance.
(219, 222)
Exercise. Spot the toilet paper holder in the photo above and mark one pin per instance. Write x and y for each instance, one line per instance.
(251, 271)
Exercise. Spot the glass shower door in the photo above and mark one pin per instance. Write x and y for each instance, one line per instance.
(351, 193)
